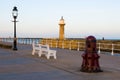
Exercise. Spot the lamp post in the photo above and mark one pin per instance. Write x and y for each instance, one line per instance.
(15, 14)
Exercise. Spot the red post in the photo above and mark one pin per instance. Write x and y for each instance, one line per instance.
(90, 57)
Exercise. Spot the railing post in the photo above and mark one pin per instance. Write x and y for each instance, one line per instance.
(26, 40)
(56, 43)
(46, 41)
(29, 41)
(70, 45)
(51, 43)
(33, 41)
(112, 53)
(78, 46)
(63, 44)
(99, 48)
(23, 40)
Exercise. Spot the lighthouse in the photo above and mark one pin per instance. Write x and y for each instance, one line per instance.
(61, 30)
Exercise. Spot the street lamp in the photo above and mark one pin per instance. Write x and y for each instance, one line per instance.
(15, 14)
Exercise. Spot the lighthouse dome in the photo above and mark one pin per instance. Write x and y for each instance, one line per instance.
(62, 21)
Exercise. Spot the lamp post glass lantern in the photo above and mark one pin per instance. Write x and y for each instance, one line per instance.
(15, 14)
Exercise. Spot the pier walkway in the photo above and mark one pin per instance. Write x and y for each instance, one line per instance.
(21, 65)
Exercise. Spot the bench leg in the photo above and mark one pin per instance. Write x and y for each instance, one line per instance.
(33, 52)
(48, 56)
(55, 56)
(39, 54)
(51, 54)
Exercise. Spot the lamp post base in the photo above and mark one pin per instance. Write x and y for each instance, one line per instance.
(15, 49)
(15, 44)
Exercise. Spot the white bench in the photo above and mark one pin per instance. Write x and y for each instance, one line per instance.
(36, 48)
(43, 49)
(47, 51)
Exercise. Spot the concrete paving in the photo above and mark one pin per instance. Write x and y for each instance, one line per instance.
(21, 65)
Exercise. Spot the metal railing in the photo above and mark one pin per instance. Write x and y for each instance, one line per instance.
(77, 45)
(67, 44)
(108, 47)
(22, 40)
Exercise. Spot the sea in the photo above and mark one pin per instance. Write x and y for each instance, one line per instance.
(22, 40)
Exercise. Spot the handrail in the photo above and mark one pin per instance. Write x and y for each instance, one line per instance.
(77, 45)
(66, 44)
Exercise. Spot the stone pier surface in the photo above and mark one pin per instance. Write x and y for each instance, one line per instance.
(21, 65)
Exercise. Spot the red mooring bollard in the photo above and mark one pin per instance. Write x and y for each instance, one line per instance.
(90, 57)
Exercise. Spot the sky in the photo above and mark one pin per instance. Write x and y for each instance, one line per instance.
(40, 18)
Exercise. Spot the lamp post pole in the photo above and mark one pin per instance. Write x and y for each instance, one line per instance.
(15, 14)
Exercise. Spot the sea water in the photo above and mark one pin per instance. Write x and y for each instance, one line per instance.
(23, 40)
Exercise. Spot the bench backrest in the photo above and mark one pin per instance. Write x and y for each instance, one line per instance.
(44, 47)
(35, 45)
(40, 46)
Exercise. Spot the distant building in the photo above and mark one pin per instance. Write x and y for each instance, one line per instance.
(61, 30)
